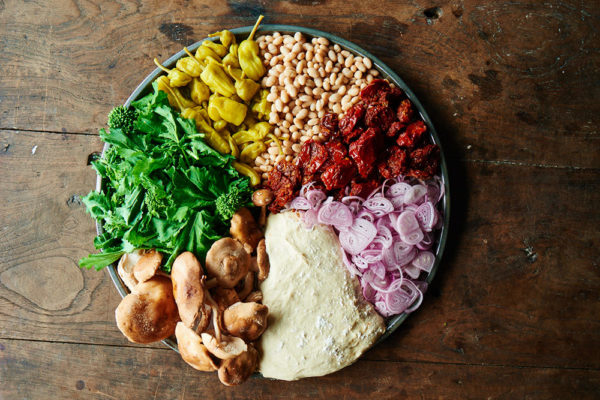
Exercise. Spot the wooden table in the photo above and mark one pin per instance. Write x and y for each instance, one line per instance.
(513, 89)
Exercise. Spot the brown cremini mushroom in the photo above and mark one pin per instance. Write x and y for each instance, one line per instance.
(192, 350)
(246, 320)
(247, 285)
(126, 266)
(149, 313)
(262, 261)
(147, 265)
(224, 297)
(225, 348)
(236, 370)
(228, 262)
(244, 229)
(188, 290)
(256, 297)
(262, 198)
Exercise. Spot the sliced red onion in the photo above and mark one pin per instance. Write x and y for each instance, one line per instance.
(360, 262)
(309, 218)
(413, 237)
(397, 202)
(407, 223)
(384, 234)
(336, 214)
(424, 261)
(370, 256)
(415, 194)
(358, 236)
(300, 203)
(427, 216)
(427, 241)
(412, 271)
(349, 199)
(378, 269)
(315, 197)
(368, 291)
(399, 255)
(366, 215)
(379, 206)
(398, 189)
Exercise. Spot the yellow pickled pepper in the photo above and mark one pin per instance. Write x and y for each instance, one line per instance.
(252, 151)
(248, 171)
(248, 56)
(199, 92)
(231, 59)
(226, 37)
(211, 136)
(261, 105)
(229, 110)
(189, 65)
(176, 77)
(217, 79)
(176, 99)
(217, 48)
(245, 88)
(203, 53)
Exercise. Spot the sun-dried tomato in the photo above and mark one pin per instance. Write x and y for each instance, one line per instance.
(379, 116)
(362, 189)
(317, 155)
(412, 135)
(397, 163)
(373, 91)
(424, 162)
(394, 129)
(364, 151)
(336, 150)
(283, 181)
(353, 135)
(289, 170)
(352, 118)
(404, 112)
(329, 124)
(338, 175)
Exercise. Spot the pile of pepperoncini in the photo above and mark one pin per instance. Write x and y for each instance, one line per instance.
(218, 87)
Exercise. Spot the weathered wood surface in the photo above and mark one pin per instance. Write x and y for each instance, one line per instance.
(71, 371)
(514, 310)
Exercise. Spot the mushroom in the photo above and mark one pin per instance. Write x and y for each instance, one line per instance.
(262, 261)
(228, 262)
(256, 297)
(262, 198)
(188, 290)
(236, 370)
(224, 297)
(192, 350)
(147, 265)
(247, 285)
(126, 266)
(246, 320)
(244, 229)
(225, 348)
(149, 313)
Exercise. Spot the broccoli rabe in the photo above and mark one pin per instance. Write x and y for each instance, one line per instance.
(237, 197)
(122, 118)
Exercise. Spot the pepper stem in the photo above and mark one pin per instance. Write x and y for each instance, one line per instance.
(193, 57)
(159, 65)
(251, 36)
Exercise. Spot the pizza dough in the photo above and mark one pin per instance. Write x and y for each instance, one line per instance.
(318, 321)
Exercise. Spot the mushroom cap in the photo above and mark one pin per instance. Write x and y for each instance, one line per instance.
(262, 197)
(188, 289)
(262, 261)
(246, 320)
(192, 350)
(244, 228)
(236, 370)
(228, 347)
(224, 297)
(126, 266)
(227, 261)
(149, 313)
(147, 265)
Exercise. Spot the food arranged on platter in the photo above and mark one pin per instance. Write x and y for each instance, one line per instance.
(270, 204)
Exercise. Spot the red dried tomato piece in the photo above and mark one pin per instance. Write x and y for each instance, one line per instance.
(317, 155)
(378, 116)
(289, 170)
(397, 163)
(395, 129)
(353, 135)
(412, 135)
(283, 180)
(329, 124)
(338, 175)
(373, 91)
(404, 112)
(336, 150)
(352, 118)
(362, 189)
(364, 151)
(425, 161)
(395, 95)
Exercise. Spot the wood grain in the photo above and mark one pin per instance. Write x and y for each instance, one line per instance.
(498, 79)
(71, 371)
(509, 291)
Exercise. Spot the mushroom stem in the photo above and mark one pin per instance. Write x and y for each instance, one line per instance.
(216, 314)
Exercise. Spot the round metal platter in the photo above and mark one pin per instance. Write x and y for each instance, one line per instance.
(145, 87)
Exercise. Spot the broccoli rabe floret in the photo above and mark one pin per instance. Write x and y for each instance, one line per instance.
(122, 118)
(237, 197)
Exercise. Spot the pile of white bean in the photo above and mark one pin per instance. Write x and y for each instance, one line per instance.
(306, 80)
